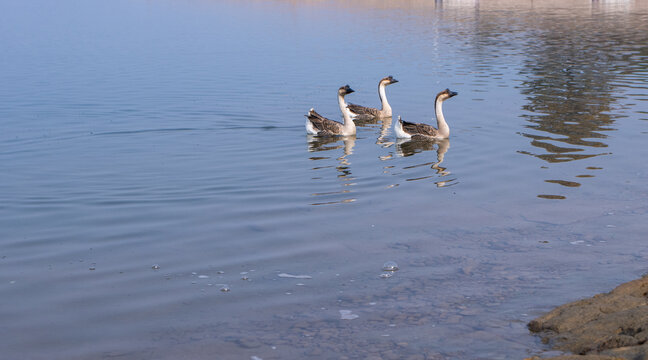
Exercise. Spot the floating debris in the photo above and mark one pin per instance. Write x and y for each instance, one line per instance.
(255, 358)
(386, 275)
(284, 275)
(203, 276)
(244, 277)
(225, 288)
(390, 266)
(155, 267)
(93, 266)
(219, 272)
(348, 315)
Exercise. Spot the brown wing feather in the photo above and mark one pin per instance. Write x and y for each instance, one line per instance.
(323, 125)
(312, 114)
(362, 110)
(419, 129)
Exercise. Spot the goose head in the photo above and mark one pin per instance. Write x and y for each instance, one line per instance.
(388, 80)
(345, 90)
(445, 95)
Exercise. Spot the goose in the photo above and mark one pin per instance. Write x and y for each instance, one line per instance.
(407, 130)
(319, 125)
(367, 112)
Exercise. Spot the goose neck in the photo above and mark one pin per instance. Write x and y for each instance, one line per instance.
(348, 122)
(343, 105)
(444, 129)
(386, 108)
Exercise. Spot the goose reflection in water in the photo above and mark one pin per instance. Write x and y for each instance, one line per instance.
(342, 165)
(407, 148)
(372, 122)
(383, 137)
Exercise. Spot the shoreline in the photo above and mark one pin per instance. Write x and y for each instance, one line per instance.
(606, 326)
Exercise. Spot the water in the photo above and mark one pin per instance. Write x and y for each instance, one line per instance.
(157, 184)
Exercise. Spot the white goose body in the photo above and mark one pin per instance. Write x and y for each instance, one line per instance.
(367, 112)
(316, 124)
(407, 130)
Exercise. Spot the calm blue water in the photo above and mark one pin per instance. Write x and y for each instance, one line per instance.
(170, 134)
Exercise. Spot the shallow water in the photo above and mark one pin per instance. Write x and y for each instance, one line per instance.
(153, 154)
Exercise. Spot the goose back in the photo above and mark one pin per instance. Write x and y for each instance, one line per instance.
(322, 125)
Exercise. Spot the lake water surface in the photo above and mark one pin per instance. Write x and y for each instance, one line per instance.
(153, 154)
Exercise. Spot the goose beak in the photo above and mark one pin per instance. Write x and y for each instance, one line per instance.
(349, 90)
(453, 93)
(393, 81)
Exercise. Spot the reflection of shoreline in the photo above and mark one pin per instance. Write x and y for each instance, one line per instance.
(571, 84)
(405, 148)
(317, 144)
(541, 6)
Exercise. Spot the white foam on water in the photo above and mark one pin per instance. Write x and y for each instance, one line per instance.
(348, 315)
(284, 275)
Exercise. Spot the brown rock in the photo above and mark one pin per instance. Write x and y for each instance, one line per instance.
(613, 325)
